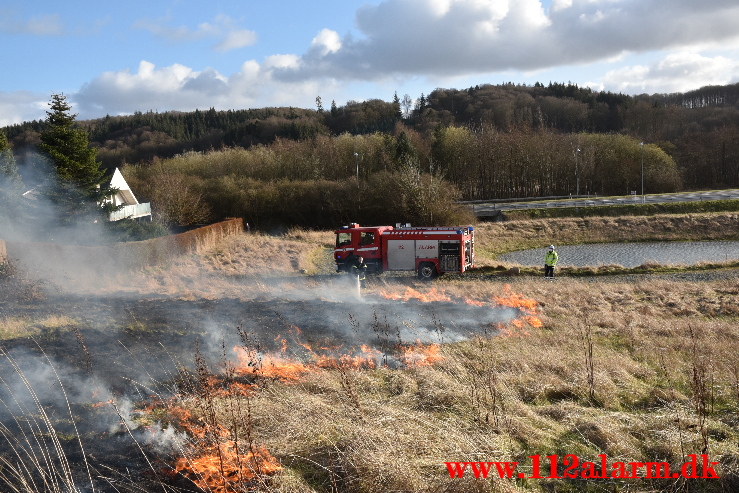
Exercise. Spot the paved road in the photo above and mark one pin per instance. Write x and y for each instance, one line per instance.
(631, 254)
(492, 207)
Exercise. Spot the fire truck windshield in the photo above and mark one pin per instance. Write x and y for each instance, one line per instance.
(343, 239)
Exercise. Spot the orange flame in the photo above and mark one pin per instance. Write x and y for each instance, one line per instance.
(222, 467)
(287, 369)
(411, 294)
(215, 459)
(510, 299)
(278, 367)
(525, 305)
(220, 464)
(421, 354)
(533, 321)
(283, 343)
(515, 300)
(281, 366)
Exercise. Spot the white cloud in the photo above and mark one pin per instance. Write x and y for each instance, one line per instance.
(463, 37)
(45, 25)
(222, 27)
(326, 42)
(281, 61)
(148, 89)
(237, 39)
(439, 8)
(22, 106)
(560, 5)
(431, 42)
(177, 87)
(676, 72)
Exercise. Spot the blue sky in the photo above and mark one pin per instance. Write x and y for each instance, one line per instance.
(117, 58)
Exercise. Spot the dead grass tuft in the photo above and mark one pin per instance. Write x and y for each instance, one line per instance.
(14, 327)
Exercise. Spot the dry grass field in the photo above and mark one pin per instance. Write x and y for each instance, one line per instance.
(643, 370)
(639, 371)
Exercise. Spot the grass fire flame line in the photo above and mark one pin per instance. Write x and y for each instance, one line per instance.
(216, 458)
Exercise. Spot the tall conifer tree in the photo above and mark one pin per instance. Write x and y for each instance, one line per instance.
(78, 185)
(9, 177)
(11, 203)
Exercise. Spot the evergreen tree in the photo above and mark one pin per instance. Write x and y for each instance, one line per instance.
(9, 177)
(396, 107)
(13, 208)
(78, 185)
(404, 150)
(421, 104)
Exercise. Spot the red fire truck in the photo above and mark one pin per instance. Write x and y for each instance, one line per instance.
(426, 251)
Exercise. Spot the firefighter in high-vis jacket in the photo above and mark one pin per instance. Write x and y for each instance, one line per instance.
(550, 260)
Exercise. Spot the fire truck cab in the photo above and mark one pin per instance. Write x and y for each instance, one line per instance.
(427, 251)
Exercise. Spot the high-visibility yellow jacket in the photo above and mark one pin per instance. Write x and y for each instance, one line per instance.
(551, 258)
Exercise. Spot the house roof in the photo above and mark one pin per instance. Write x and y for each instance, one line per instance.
(124, 191)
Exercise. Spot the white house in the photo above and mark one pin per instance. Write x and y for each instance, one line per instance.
(125, 197)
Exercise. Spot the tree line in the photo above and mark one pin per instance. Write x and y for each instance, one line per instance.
(401, 176)
(349, 162)
(696, 128)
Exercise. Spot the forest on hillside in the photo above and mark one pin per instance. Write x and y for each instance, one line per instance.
(483, 142)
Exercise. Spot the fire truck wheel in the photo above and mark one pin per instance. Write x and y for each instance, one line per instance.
(427, 271)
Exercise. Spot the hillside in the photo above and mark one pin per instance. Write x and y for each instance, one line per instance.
(697, 129)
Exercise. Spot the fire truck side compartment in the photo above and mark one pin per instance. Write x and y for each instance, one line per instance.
(449, 256)
(401, 255)
(427, 248)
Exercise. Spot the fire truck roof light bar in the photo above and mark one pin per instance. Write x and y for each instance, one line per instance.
(403, 228)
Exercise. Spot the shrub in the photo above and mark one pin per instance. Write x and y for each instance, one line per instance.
(133, 230)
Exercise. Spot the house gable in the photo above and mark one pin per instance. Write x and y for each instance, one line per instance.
(124, 196)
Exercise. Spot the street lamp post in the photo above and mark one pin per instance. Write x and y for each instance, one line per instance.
(356, 161)
(577, 175)
(642, 172)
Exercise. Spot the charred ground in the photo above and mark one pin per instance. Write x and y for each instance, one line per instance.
(112, 356)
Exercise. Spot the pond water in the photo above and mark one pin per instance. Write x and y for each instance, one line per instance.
(631, 254)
